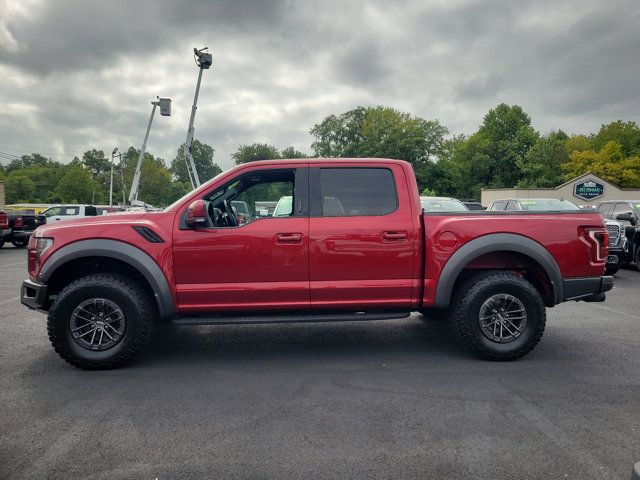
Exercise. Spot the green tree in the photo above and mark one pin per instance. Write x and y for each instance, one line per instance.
(427, 192)
(203, 159)
(27, 161)
(542, 164)
(255, 152)
(96, 163)
(380, 132)
(577, 143)
(75, 186)
(509, 135)
(627, 134)
(291, 152)
(339, 136)
(608, 163)
(19, 188)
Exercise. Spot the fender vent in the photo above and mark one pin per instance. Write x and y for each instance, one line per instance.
(148, 234)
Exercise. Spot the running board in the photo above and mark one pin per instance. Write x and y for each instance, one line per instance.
(289, 318)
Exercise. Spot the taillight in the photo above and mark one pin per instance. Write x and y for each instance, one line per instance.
(17, 222)
(4, 220)
(598, 238)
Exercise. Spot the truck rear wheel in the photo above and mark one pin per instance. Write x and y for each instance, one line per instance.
(498, 315)
(100, 321)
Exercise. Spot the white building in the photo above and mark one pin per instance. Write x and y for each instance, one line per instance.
(587, 189)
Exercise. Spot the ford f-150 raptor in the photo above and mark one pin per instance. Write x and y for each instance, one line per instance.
(355, 246)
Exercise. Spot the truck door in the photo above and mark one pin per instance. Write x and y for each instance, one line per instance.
(362, 238)
(260, 263)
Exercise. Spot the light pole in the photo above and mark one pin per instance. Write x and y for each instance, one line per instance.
(204, 61)
(165, 111)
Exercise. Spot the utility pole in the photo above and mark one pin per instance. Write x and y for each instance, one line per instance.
(113, 154)
(119, 155)
(165, 111)
(203, 61)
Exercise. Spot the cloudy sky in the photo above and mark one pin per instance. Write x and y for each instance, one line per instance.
(81, 74)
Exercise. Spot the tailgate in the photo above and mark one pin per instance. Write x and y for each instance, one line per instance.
(31, 222)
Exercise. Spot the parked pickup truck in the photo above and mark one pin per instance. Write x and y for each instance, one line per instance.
(21, 226)
(62, 213)
(356, 246)
(4, 227)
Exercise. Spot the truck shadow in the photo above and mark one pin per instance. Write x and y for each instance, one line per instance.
(300, 342)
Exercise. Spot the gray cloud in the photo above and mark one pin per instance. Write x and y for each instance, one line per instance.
(80, 74)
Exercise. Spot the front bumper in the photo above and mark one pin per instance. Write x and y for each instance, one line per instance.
(589, 289)
(617, 256)
(33, 294)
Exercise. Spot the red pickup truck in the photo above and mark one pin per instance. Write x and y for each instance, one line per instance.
(353, 244)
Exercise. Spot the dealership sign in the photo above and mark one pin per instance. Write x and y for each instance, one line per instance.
(588, 190)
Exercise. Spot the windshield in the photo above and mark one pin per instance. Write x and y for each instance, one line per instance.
(547, 204)
(445, 205)
(284, 207)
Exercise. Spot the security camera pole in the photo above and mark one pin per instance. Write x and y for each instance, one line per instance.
(204, 61)
(165, 111)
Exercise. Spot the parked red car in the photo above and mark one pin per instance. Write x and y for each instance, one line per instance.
(356, 246)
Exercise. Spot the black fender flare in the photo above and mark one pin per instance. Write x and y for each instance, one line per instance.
(493, 243)
(133, 256)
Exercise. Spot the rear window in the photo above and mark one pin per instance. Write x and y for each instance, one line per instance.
(352, 192)
(544, 205)
(433, 205)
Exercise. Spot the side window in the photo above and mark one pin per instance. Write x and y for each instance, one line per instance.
(53, 211)
(71, 211)
(512, 206)
(605, 209)
(355, 192)
(257, 195)
(498, 206)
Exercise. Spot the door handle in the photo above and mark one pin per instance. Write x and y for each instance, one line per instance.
(288, 238)
(394, 236)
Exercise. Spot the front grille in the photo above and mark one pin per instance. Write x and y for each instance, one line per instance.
(614, 234)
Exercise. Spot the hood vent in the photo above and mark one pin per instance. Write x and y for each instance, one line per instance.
(148, 234)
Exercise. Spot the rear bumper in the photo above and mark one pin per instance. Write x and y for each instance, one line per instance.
(589, 289)
(5, 232)
(21, 234)
(33, 295)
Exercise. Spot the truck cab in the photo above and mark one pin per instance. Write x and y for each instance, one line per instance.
(61, 213)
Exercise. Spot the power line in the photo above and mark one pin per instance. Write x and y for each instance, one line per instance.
(40, 149)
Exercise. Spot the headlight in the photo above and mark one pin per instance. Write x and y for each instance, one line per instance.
(42, 245)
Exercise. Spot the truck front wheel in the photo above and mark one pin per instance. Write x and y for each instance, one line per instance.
(100, 321)
(498, 315)
(20, 242)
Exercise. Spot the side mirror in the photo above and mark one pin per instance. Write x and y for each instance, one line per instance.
(197, 215)
(627, 217)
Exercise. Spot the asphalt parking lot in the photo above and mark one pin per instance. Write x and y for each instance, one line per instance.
(386, 399)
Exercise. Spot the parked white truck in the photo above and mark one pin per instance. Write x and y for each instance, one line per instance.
(59, 213)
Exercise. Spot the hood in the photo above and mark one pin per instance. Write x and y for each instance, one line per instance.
(112, 218)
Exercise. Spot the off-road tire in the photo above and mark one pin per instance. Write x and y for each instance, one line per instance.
(127, 294)
(611, 270)
(465, 314)
(1, 242)
(20, 243)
